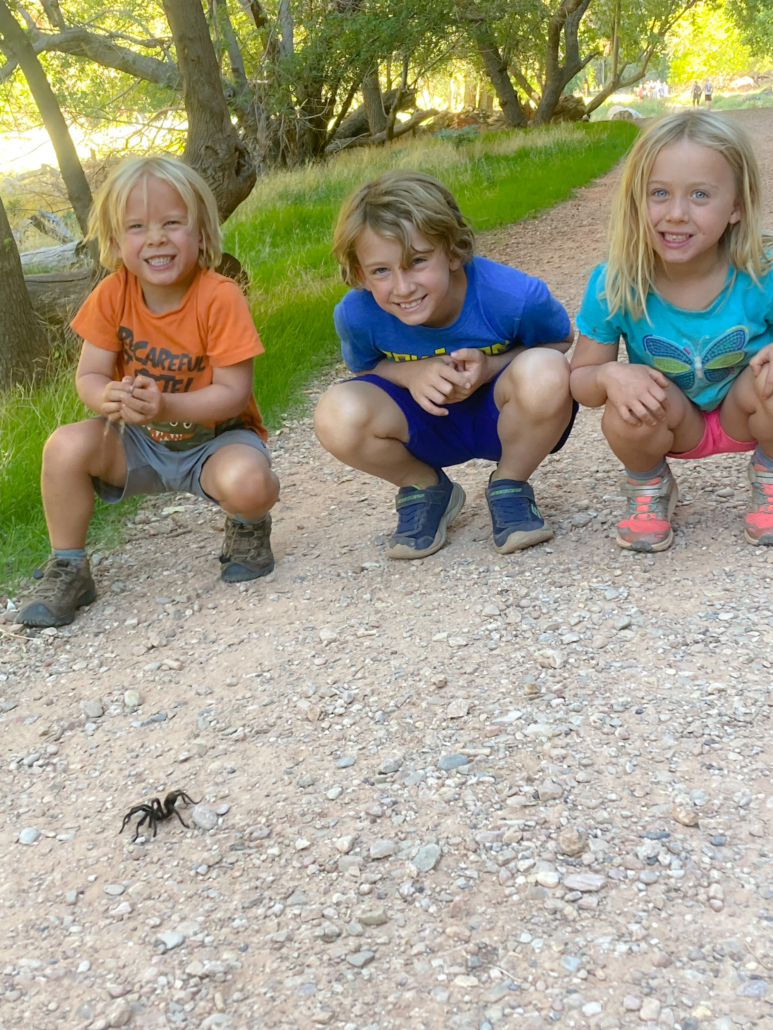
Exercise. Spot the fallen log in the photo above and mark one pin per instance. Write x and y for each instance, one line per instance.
(56, 296)
(371, 141)
(56, 259)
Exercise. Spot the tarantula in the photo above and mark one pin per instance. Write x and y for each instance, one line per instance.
(156, 811)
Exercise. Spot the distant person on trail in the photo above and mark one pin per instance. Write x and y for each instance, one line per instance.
(696, 94)
(689, 288)
(708, 90)
(454, 356)
(166, 365)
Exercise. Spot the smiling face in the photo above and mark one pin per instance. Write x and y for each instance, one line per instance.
(691, 200)
(158, 244)
(430, 291)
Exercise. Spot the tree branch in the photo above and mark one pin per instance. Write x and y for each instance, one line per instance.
(79, 42)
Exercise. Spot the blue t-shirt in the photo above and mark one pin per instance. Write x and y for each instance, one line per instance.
(702, 352)
(502, 308)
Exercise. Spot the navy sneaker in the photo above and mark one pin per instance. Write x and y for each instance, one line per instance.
(515, 517)
(424, 515)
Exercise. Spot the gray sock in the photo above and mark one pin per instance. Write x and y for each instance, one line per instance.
(74, 554)
(644, 477)
(248, 522)
(761, 458)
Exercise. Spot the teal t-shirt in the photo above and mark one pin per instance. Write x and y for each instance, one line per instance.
(700, 351)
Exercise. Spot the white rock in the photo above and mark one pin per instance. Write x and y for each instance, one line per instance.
(29, 835)
(584, 882)
(204, 816)
(458, 708)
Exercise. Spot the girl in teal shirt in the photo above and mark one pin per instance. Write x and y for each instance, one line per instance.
(688, 288)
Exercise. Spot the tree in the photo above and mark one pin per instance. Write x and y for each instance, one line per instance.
(213, 146)
(531, 50)
(289, 73)
(18, 44)
(22, 340)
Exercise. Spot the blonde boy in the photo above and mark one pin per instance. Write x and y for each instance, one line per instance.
(455, 357)
(166, 364)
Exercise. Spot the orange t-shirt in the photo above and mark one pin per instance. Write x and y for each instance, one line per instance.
(212, 328)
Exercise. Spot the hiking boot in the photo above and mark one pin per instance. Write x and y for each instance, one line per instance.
(62, 587)
(759, 518)
(515, 517)
(246, 550)
(647, 526)
(425, 513)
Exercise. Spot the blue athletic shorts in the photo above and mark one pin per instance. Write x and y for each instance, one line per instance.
(152, 468)
(469, 430)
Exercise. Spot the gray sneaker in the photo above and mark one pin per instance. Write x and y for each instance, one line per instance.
(62, 587)
(246, 550)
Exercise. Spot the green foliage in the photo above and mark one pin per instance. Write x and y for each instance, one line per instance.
(282, 235)
(707, 43)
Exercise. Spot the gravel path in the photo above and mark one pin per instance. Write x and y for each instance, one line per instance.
(468, 793)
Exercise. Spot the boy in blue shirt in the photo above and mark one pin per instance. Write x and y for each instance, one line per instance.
(455, 357)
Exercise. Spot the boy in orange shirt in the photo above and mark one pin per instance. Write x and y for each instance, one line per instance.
(167, 365)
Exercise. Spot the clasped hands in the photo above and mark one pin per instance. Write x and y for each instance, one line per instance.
(133, 400)
(448, 378)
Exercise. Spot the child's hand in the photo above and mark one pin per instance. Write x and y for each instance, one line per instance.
(474, 366)
(637, 391)
(762, 367)
(143, 403)
(435, 381)
(113, 398)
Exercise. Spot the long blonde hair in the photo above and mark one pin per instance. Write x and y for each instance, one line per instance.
(107, 217)
(630, 274)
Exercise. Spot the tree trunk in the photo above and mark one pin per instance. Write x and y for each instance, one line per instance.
(566, 21)
(373, 102)
(23, 343)
(496, 69)
(213, 146)
(74, 178)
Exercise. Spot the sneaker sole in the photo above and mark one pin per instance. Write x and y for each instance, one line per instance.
(524, 538)
(643, 545)
(234, 572)
(402, 552)
(766, 540)
(45, 618)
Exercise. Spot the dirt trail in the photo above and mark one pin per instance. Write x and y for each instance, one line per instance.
(471, 792)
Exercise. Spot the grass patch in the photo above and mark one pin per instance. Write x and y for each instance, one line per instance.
(282, 236)
(27, 419)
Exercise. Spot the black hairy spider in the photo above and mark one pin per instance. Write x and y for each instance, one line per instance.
(156, 811)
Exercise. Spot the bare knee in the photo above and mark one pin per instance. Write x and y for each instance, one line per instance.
(538, 380)
(343, 416)
(246, 485)
(615, 428)
(72, 446)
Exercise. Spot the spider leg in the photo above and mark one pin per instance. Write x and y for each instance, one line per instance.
(182, 796)
(186, 825)
(134, 810)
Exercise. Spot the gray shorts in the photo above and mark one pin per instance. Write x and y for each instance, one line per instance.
(152, 468)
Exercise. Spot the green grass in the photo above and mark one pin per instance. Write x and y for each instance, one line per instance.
(740, 101)
(27, 418)
(282, 236)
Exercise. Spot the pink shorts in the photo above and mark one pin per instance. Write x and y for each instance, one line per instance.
(715, 440)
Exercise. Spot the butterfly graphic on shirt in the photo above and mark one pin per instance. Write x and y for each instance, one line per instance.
(683, 367)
